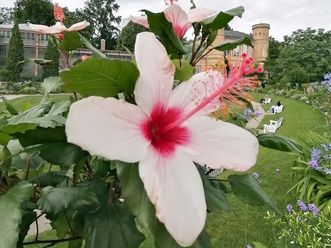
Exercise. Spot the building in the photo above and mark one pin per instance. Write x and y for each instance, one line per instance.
(259, 51)
(35, 45)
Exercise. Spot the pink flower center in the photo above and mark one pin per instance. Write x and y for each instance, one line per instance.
(162, 139)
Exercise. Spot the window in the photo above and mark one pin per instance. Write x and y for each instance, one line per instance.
(8, 34)
(32, 36)
(23, 35)
(28, 36)
(42, 37)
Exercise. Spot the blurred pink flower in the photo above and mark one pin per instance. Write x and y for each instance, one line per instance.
(181, 21)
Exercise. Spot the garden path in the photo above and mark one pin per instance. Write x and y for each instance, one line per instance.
(255, 121)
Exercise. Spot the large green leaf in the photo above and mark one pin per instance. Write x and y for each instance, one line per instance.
(222, 18)
(10, 108)
(51, 84)
(247, 189)
(279, 143)
(112, 227)
(11, 214)
(101, 77)
(48, 114)
(135, 195)
(56, 200)
(215, 196)
(71, 41)
(184, 71)
(233, 44)
(52, 142)
(160, 26)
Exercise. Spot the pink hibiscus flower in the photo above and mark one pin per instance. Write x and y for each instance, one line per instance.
(59, 27)
(181, 21)
(166, 132)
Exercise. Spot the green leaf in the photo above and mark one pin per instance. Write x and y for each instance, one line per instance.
(71, 41)
(18, 128)
(233, 44)
(248, 190)
(56, 200)
(135, 196)
(279, 143)
(95, 51)
(160, 26)
(50, 178)
(75, 243)
(163, 239)
(28, 218)
(5, 159)
(215, 196)
(10, 108)
(61, 226)
(11, 214)
(52, 142)
(4, 139)
(112, 227)
(101, 77)
(212, 37)
(51, 84)
(222, 18)
(184, 71)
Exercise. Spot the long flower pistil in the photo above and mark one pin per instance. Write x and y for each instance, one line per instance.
(234, 84)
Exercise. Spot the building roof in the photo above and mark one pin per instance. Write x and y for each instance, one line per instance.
(22, 26)
(234, 34)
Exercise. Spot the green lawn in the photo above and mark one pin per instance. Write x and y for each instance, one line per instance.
(245, 223)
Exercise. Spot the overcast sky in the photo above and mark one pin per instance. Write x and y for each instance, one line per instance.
(284, 16)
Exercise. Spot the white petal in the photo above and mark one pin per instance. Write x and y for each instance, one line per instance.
(141, 20)
(78, 26)
(174, 186)
(199, 14)
(220, 144)
(191, 93)
(156, 72)
(107, 127)
(45, 29)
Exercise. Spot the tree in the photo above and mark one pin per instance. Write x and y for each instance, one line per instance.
(52, 53)
(104, 24)
(15, 56)
(127, 37)
(34, 11)
(6, 15)
(308, 50)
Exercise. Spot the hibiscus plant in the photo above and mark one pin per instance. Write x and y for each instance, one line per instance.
(125, 156)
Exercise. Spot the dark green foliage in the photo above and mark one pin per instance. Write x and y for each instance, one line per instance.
(6, 15)
(303, 57)
(52, 53)
(101, 15)
(15, 55)
(127, 37)
(34, 11)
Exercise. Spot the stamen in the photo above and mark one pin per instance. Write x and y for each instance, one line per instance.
(216, 88)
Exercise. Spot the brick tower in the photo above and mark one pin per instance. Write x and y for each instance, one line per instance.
(261, 42)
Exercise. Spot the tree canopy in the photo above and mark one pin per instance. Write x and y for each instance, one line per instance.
(127, 37)
(6, 15)
(101, 14)
(34, 11)
(305, 51)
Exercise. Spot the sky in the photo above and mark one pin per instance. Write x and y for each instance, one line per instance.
(284, 16)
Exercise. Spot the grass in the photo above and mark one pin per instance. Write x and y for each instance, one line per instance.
(245, 223)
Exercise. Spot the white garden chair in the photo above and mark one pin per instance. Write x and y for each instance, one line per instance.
(273, 126)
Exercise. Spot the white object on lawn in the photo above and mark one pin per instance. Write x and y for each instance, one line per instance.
(272, 126)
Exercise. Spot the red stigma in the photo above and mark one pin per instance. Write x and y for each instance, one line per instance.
(58, 13)
(155, 130)
(244, 55)
(260, 69)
